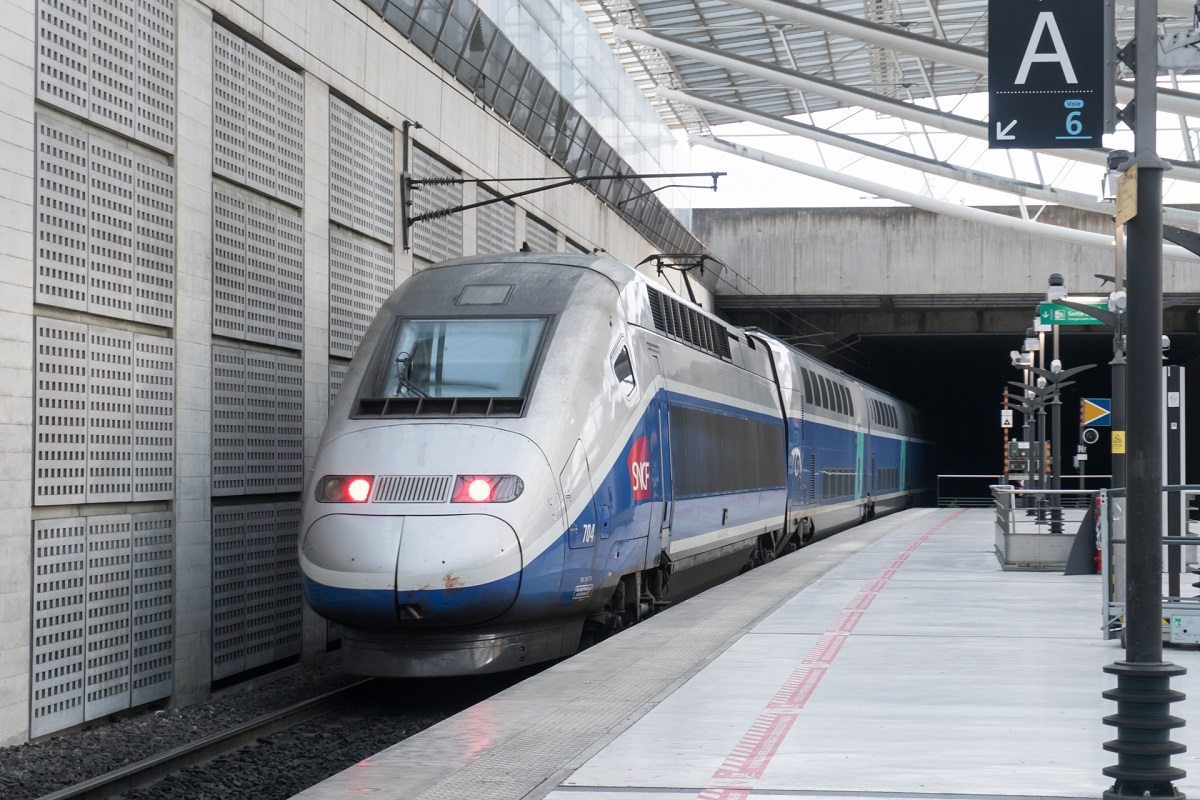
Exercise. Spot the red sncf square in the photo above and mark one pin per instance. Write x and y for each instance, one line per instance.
(639, 469)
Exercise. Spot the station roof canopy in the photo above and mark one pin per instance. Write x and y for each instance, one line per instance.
(779, 63)
(791, 44)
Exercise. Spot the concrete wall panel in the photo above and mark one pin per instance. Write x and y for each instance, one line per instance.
(17, 86)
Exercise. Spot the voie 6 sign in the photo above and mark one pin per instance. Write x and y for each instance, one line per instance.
(1046, 84)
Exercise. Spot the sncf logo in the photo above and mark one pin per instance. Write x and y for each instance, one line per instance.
(639, 469)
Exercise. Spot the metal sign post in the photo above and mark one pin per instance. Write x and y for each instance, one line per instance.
(1046, 75)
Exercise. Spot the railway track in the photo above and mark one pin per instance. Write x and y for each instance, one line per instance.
(150, 770)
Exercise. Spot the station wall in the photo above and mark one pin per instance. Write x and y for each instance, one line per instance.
(199, 217)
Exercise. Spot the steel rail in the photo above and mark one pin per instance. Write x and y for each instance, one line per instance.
(155, 768)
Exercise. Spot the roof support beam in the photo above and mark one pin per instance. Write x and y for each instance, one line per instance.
(943, 52)
(1041, 193)
(1069, 235)
(857, 97)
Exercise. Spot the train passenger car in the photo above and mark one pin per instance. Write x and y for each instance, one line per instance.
(528, 444)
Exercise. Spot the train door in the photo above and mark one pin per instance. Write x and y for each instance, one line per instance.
(661, 487)
(579, 559)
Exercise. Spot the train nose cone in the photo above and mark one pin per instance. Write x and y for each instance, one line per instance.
(411, 571)
(456, 570)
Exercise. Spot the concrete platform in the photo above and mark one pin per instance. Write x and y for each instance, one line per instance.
(896, 659)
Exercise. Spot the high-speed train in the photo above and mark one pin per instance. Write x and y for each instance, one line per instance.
(532, 447)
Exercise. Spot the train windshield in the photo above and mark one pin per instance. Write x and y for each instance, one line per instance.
(461, 358)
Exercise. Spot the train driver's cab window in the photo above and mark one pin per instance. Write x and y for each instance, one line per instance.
(624, 371)
(461, 358)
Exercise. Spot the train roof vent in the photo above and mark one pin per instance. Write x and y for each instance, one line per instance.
(684, 324)
(440, 407)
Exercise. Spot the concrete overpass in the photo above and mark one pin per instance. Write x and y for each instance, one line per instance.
(859, 271)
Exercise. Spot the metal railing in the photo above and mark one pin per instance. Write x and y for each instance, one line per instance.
(975, 490)
(1041, 510)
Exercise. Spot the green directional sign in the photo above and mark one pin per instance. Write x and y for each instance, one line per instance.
(1054, 314)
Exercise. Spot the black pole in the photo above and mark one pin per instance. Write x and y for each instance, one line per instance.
(1143, 695)
(1055, 445)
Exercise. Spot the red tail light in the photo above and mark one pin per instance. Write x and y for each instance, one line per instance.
(487, 489)
(345, 488)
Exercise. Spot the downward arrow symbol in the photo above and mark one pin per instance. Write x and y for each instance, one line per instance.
(1002, 134)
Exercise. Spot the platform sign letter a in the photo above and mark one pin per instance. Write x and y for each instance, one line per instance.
(1047, 84)
(1045, 24)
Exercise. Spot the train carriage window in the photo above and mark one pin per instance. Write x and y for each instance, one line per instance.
(824, 391)
(810, 395)
(624, 371)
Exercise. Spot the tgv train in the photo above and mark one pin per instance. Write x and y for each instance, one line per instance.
(532, 447)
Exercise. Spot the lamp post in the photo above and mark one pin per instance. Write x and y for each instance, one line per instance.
(1143, 694)
(1056, 378)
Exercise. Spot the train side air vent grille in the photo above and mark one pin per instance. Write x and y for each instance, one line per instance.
(688, 325)
(440, 407)
(413, 489)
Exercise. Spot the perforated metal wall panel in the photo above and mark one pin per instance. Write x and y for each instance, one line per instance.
(441, 238)
(289, 278)
(110, 415)
(229, 590)
(153, 418)
(105, 225)
(540, 236)
(110, 229)
(337, 376)
(257, 603)
(260, 423)
(258, 119)
(112, 45)
(63, 34)
(111, 62)
(289, 424)
(261, 254)
(362, 274)
(495, 226)
(229, 421)
(154, 240)
(289, 131)
(229, 105)
(229, 261)
(258, 268)
(108, 615)
(362, 186)
(59, 607)
(260, 585)
(156, 72)
(289, 606)
(153, 619)
(62, 215)
(60, 441)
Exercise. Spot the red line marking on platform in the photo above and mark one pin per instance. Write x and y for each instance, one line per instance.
(751, 756)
